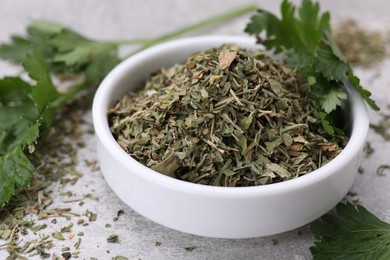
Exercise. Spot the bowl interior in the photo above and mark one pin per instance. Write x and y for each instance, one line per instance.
(131, 73)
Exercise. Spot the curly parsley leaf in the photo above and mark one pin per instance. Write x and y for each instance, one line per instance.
(354, 233)
(305, 37)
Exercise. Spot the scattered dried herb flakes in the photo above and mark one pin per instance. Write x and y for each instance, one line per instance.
(382, 128)
(92, 164)
(24, 220)
(221, 121)
(360, 47)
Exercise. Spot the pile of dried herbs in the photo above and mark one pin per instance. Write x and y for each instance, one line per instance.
(360, 47)
(226, 117)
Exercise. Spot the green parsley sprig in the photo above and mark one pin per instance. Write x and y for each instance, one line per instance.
(354, 233)
(304, 36)
(67, 52)
(27, 110)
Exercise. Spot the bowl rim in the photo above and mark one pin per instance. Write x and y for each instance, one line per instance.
(101, 102)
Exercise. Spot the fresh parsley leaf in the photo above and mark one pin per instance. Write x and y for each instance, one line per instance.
(302, 32)
(332, 99)
(354, 233)
(305, 37)
(65, 51)
(325, 123)
(355, 81)
(329, 65)
(18, 130)
(44, 91)
(24, 110)
(16, 50)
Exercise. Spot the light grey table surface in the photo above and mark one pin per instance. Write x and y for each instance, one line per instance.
(120, 19)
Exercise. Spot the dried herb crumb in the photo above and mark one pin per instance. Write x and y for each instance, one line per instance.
(120, 213)
(381, 170)
(92, 197)
(158, 243)
(67, 228)
(77, 244)
(119, 257)
(275, 242)
(58, 235)
(190, 248)
(369, 150)
(113, 239)
(91, 216)
(65, 249)
(66, 255)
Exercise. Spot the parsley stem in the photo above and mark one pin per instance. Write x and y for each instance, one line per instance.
(208, 22)
(130, 42)
(74, 90)
(145, 43)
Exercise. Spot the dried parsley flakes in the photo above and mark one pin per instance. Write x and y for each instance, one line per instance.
(226, 117)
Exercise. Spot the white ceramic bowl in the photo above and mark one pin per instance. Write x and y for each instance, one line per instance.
(224, 212)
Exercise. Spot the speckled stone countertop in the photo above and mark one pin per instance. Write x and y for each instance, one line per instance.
(140, 238)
